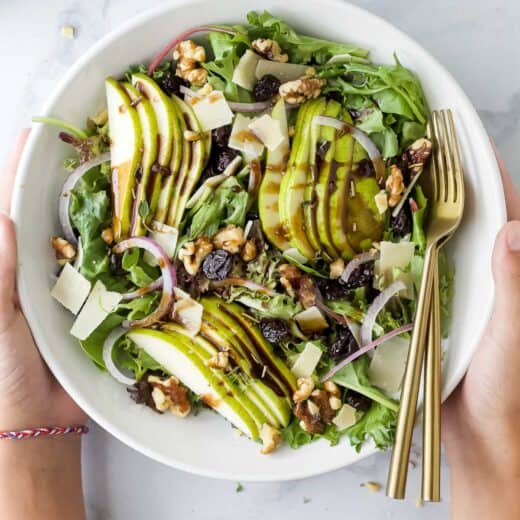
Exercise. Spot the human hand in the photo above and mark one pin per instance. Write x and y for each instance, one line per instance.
(29, 394)
(481, 419)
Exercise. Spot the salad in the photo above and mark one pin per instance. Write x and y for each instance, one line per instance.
(243, 232)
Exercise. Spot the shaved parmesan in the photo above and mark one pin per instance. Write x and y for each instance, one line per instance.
(311, 320)
(166, 236)
(395, 255)
(212, 110)
(345, 418)
(283, 71)
(307, 361)
(187, 312)
(98, 306)
(386, 369)
(268, 130)
(244, 73)
(243, 140)
(71, 289)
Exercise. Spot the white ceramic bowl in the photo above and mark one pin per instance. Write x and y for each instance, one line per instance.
(206, 444)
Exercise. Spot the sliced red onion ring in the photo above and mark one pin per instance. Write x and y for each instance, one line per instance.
(118, 374)
(154, 286)
(360, 136)
(258, 106)
(358, 260)
(336, 316)
(375, 308)
(183, 36)
(248, 284)
(366, 348)
(169, 278)
(70, 183)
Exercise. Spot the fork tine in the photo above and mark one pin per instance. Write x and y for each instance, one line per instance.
(454, 145)
(433, 163)
(447, 149)
(438, 158)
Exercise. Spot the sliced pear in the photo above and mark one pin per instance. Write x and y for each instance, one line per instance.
(150, 134)
(343, 155)
(326, 181)
(181, 358)
(278, 406)
(125, 154)
(295, 187)
(268, 196)
(168, 129)
(186, 182)
(245, 396)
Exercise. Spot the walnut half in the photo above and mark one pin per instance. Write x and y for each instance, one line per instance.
(297, 91)
(65, 251)
(192, 254)
(394, 186)
(169, 394)
(271, 438)
(269, 49)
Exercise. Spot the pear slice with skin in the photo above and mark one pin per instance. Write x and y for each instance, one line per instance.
(183, 360)
(343, 156)
(150, 137)
(245, 396)
(269, 193)
(169, 132)
(186, 184)
(125, 154)
(295, 187)
(326, 180)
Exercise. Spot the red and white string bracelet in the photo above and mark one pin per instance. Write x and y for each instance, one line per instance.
(43, 432)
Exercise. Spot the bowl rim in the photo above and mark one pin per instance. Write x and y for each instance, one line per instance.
(16, 213)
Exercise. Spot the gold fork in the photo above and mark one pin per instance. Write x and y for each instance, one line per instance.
(446, 194)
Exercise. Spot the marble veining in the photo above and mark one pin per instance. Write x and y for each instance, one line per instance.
(476, 41)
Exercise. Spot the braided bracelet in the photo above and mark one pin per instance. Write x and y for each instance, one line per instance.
(43, 432)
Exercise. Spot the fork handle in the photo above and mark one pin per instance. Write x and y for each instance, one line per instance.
(398, 472)
(431, 472)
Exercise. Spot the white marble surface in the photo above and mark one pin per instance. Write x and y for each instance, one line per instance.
(476, 40)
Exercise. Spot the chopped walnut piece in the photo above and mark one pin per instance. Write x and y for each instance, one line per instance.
(249, 251)
(297, 284)
(65, 251)
(381, 201)
(336, 268)
(335, 403)
(220, 360)
(332, 388)
(315, 413)
(297, 91)
(188, 55)
(192, 254)
(231, 239)
(418, 153)
(394, 186)
(304, 390)
(170, 394)
(271, 438)
(371, 486)
(269, 49)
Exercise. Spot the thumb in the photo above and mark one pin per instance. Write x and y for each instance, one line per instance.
(7, 271)
(506, 271)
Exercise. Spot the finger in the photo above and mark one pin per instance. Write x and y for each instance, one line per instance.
(506, 271)
(510, 191)
(9, 173)
(7, 271)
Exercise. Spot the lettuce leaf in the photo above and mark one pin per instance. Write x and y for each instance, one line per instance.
(300, 48)
(139, 272)
(295, 437)
(129, 356)
(377, 424)
(355, 377)
(418, 220)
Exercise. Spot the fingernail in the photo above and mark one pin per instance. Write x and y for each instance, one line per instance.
(513, 236)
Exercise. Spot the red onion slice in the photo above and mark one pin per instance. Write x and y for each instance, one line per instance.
(168, 276)
(360, 136)
(183, 36)
(154, 286)
(366, 348)
(113, 369)
(375, 308)
(64, 201)
(243, 282)
(358, 260)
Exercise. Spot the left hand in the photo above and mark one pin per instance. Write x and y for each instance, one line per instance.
(29, 394)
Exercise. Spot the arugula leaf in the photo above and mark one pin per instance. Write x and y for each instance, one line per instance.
(378, 424)
(278, 306)
(418, 218)
(139, 272)
(300, 48)
(355, 377)
(129, 356)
